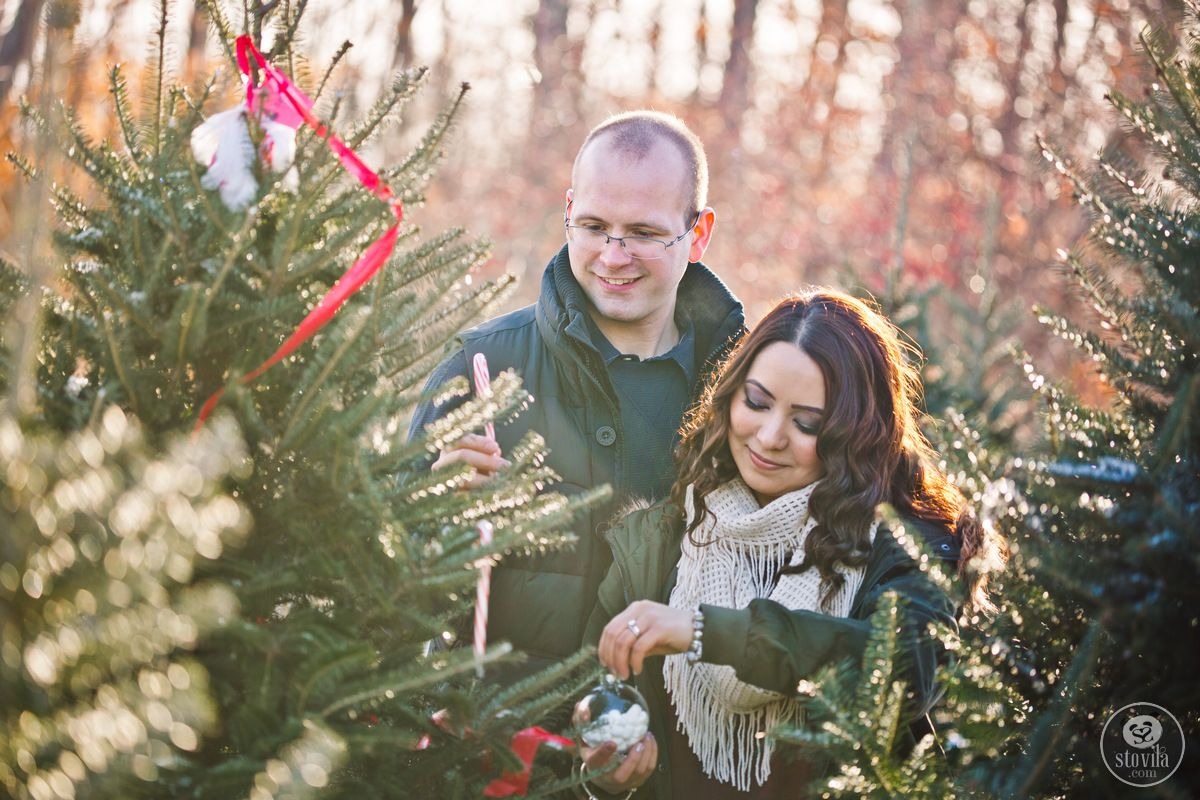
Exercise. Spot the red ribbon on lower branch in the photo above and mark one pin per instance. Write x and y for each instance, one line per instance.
(525, 744)
(276, 96)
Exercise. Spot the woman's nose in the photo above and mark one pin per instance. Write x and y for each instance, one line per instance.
(772, 434)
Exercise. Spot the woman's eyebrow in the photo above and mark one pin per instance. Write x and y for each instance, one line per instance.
(761, 388)
(796, 406)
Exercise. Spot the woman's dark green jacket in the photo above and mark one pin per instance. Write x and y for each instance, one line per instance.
(768, 645)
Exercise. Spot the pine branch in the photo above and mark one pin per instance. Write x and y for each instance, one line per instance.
(1050, 730)
(302, 418)
(119, 92)
(416, 170)
(443, 666)
(1133, 378)
(160, 68)
(1183, 92)
(225, 33)
(1178, 434)
(404, 87)
(529, 697)
(305, 765)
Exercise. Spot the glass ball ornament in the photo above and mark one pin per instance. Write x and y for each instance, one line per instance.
(613, 711)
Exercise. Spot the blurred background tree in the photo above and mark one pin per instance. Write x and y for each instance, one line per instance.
(100, 614)
(819, 116)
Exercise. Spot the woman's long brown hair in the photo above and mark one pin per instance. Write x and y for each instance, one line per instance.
(868, 441)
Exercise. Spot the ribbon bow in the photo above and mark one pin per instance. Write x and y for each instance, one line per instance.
(277, 98)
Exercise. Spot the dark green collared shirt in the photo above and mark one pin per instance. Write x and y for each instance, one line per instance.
(653, 394)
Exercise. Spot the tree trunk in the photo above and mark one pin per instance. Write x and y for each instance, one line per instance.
(17, 45)
(822, 80)
(402, 56)
(701, 47)
(1009, 124)
(920, 89)
(735, 88)
(197, 37)
(551, 56)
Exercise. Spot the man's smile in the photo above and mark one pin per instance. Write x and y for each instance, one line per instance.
(617, 281)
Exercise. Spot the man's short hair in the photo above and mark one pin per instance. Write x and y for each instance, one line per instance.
(635, 133)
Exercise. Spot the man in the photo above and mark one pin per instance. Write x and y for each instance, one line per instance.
(625, 330)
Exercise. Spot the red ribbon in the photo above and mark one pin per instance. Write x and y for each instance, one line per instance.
(278, 98)
(525, 743)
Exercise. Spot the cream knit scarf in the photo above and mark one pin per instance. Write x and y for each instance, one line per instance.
(724, 719)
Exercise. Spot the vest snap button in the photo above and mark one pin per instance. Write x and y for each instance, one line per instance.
(606, 436)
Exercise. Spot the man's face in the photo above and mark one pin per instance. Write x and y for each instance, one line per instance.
(625, 197)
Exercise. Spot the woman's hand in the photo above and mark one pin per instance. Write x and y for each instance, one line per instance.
(637, 767)
(657, 630)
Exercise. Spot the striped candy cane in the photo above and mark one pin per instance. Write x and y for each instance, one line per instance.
(482, 590)
(483, 388)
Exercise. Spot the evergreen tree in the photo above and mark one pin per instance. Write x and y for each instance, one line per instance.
(358, 554)
(1120, 490)
(1099, 605)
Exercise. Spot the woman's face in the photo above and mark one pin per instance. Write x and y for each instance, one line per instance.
(773, 422)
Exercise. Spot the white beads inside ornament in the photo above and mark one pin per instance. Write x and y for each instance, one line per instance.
(626, 729)
(612, 712)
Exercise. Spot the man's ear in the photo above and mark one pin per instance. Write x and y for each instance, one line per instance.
(567, 207)
(702, 233)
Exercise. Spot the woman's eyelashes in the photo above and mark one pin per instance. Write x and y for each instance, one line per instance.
(757, 401)
(753, 401)
(809, 428)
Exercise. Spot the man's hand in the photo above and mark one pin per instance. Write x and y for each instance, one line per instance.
(636, 769)
(660, 631)
(477, 451)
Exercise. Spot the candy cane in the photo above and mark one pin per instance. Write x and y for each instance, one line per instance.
(482, 590)
(483, 388)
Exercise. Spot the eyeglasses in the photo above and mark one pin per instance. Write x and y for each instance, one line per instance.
(646, 248)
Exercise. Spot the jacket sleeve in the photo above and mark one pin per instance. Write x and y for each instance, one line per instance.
(427, 411)
(772, 647)
(610, 599)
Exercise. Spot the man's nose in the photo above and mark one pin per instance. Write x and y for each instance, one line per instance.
(613, 252)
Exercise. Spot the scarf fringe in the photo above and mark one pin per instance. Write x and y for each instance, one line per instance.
(729, 746)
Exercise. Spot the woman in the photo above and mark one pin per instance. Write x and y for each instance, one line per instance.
(766, 561)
